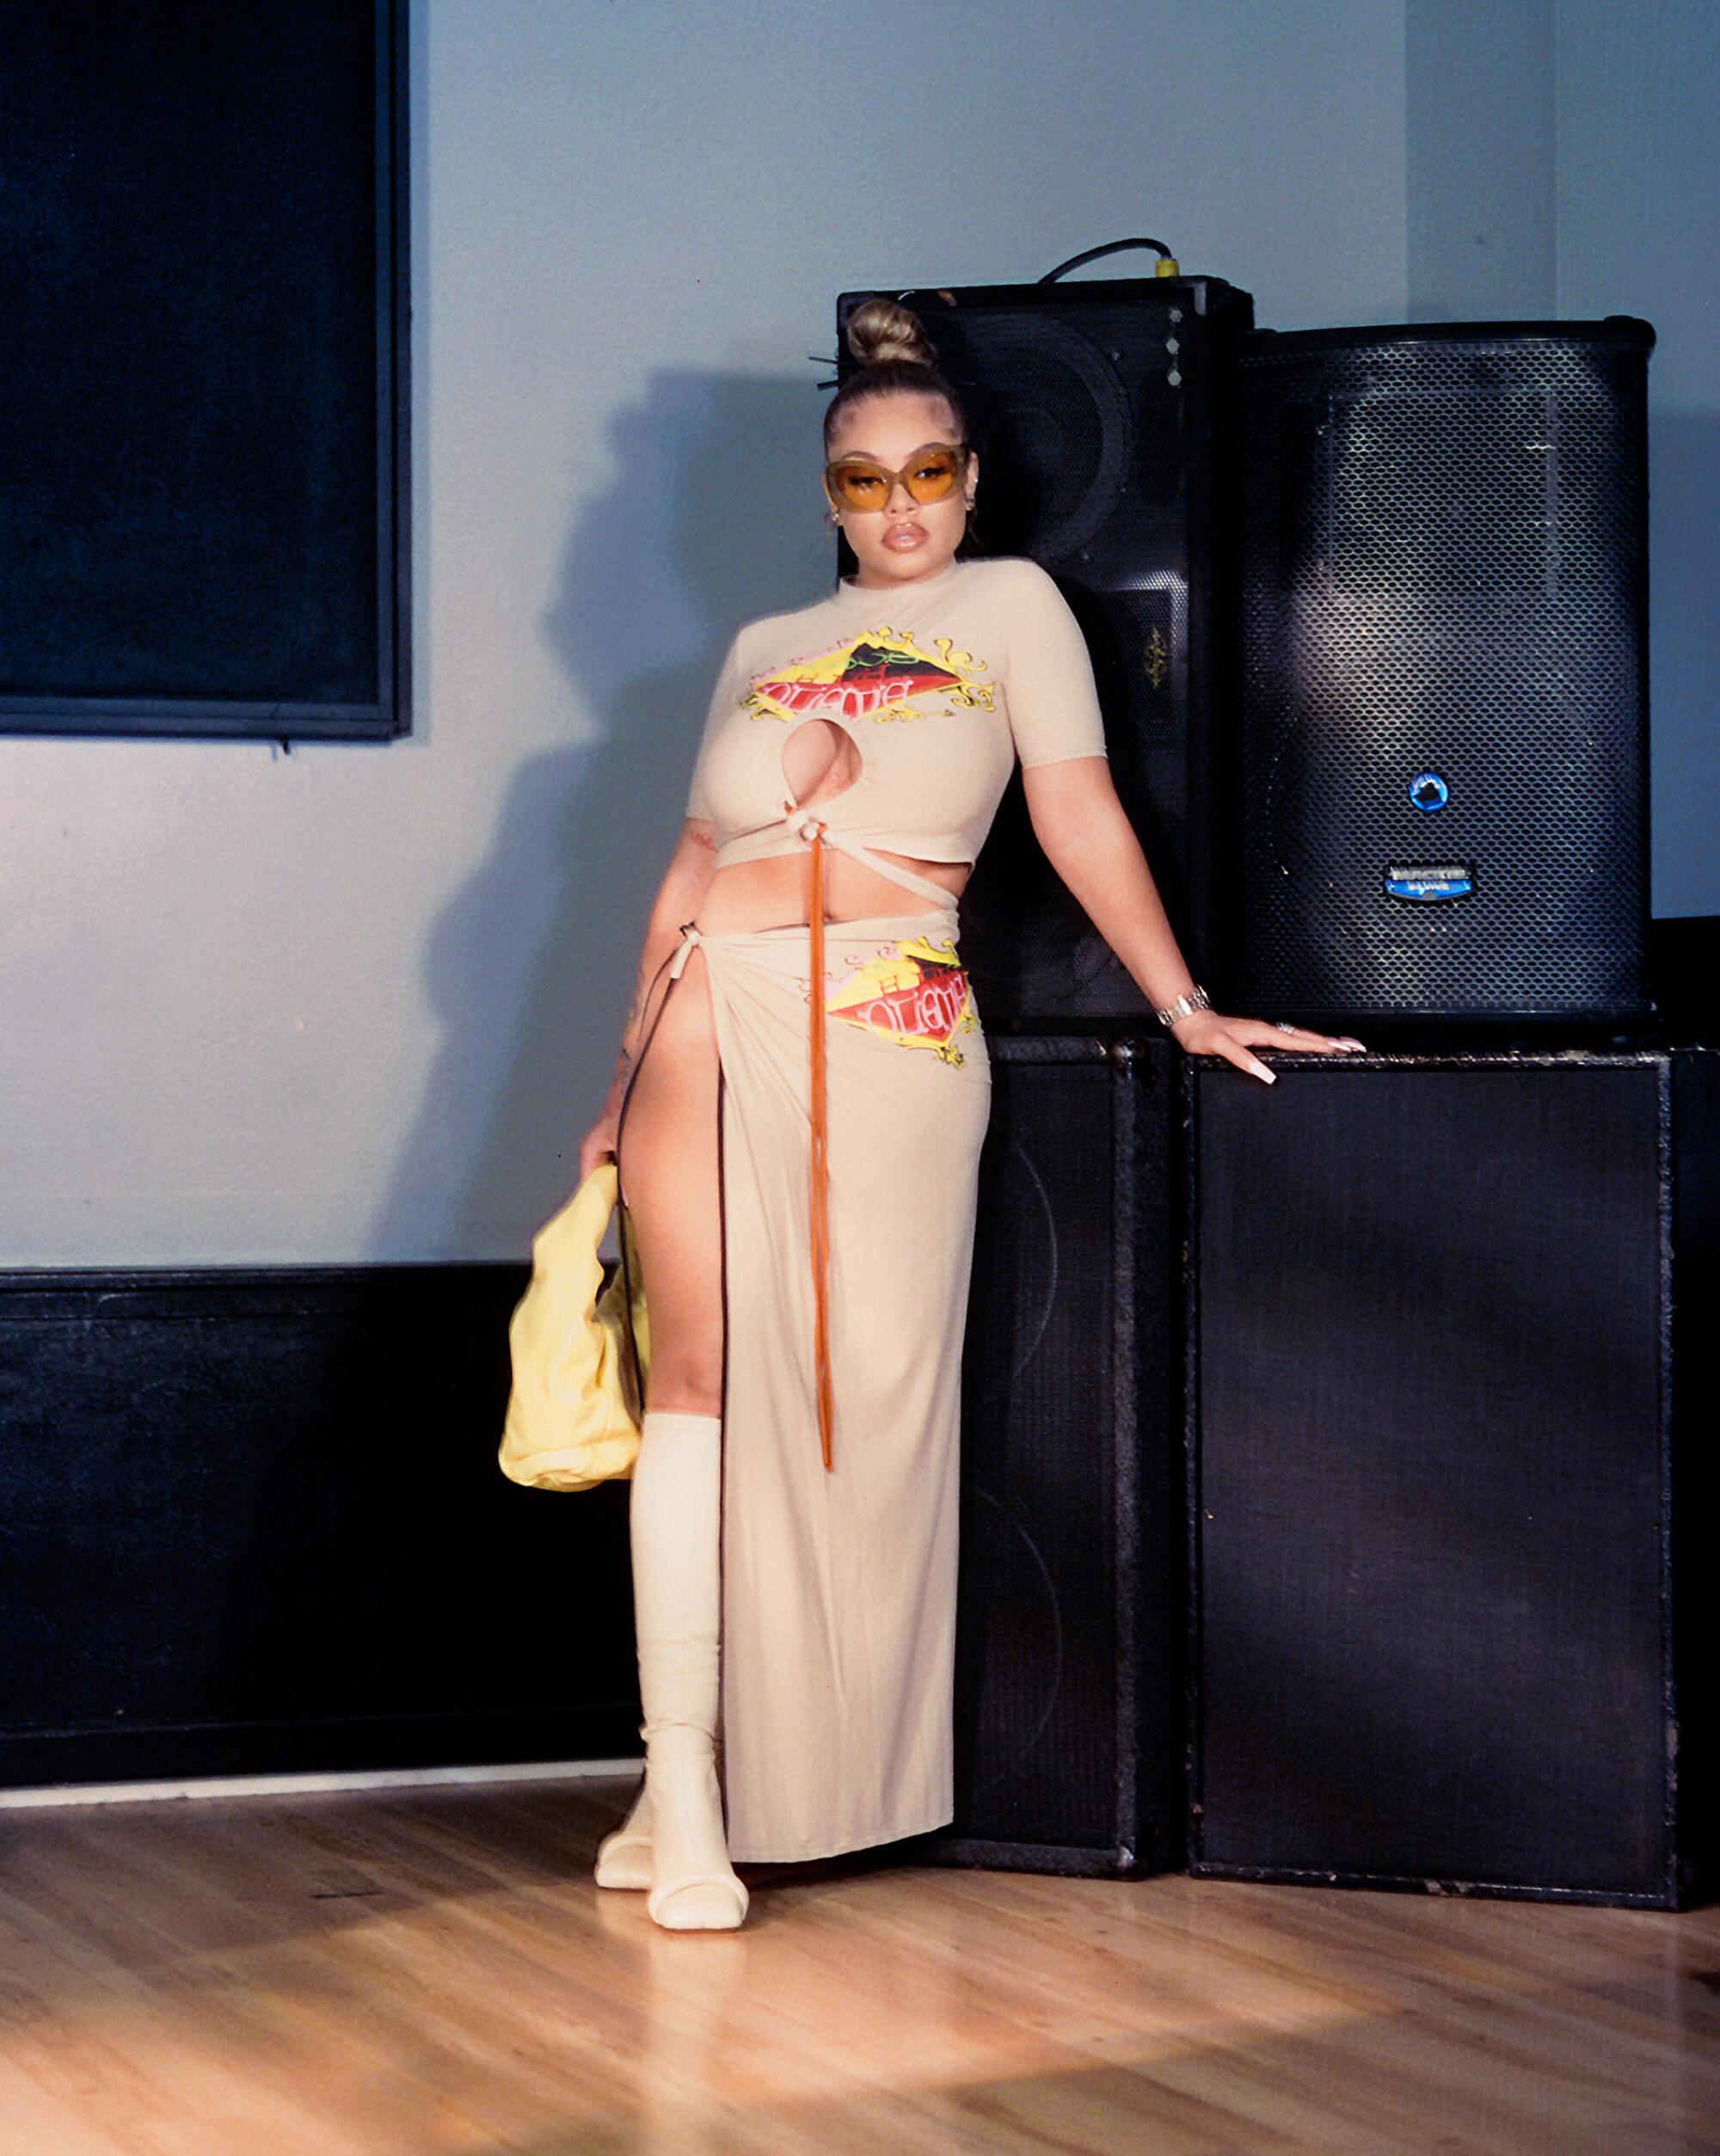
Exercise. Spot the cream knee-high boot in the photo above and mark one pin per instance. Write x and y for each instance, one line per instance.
(623, 1858)
(674, 1523)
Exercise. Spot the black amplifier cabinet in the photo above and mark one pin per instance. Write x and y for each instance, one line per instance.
(1102, 412)
(1452, 1422)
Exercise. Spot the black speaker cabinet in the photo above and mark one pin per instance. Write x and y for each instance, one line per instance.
(1442, 770)
(1451, 1330)
(1100, 411)
(1069, 1679)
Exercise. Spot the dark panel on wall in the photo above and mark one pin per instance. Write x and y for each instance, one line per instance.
(202, 505)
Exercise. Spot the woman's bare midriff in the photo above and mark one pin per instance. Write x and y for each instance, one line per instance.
(750, 894)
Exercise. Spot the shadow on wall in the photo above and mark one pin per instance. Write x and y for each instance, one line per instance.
(714, 516)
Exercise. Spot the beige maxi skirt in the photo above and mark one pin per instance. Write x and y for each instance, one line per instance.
(837, 1635)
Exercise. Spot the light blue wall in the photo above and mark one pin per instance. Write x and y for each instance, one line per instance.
(1479, 156)
(362, 1003)
(1640, 234)
(1563, 162)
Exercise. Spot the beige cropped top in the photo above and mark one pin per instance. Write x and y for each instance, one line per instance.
(940, 684)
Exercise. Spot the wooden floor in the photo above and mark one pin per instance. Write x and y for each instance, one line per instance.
(432, 1970)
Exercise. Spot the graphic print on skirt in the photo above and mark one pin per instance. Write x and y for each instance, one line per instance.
(913, 991)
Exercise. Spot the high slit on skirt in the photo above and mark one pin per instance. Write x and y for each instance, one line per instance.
(838, 1585)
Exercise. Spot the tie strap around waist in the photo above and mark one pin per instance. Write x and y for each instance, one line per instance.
(764, 843)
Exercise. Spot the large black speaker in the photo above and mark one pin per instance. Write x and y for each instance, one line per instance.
(1453, 1335)
(1100, 412)
(1070, 1683)
(1442, 770)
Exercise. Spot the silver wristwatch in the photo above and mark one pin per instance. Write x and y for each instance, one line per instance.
(1197, 1000)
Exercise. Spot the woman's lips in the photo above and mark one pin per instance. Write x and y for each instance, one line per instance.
(903, 537)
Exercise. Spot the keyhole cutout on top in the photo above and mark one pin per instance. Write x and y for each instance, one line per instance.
(820, 759)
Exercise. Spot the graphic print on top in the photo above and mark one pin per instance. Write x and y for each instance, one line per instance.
(881, 674)
(986, 650)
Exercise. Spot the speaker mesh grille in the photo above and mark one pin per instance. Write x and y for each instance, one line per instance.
(1444, 569)
(1430, 1372)
(1049, 406)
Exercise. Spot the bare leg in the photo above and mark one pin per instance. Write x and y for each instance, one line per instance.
(672, 1841)
(669, 1175)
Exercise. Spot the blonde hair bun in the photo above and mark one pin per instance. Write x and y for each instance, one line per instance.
(882, 331)
(894, 358)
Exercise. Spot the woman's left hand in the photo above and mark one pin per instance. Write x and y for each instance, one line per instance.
(1208, 1033)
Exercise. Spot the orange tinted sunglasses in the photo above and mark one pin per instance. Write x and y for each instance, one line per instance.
(861, 483)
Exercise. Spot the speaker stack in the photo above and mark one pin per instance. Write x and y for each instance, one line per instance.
(1441, 1310)
(1101, 411)
(1335, 1450)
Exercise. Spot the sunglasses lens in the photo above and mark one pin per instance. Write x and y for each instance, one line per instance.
(933, 476)
(859, 485)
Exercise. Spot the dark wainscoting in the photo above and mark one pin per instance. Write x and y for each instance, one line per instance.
(251, 1521)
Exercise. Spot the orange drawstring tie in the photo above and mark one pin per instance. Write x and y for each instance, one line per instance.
(820, 1164)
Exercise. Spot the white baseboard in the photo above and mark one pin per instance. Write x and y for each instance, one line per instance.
(294, 1785)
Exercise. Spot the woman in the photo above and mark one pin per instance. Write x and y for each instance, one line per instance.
(800, 1169)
